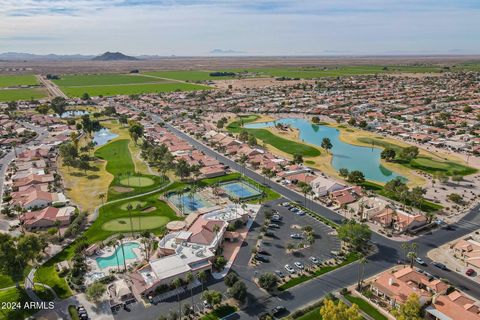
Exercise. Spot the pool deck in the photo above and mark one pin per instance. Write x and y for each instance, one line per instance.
(109, 251)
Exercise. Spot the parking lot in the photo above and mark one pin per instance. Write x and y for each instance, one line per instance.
(274, 248)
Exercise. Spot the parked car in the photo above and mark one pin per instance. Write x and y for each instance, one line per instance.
(314, 260)
(289, 268)
(273, 226)
(276, 218)
(440, 265)
(299, 265)
(470, 272)
(270, 233)
(420, 262)
(278, 310)
(264, 252)
(293, 209)
(261, 258)
(206, 305)
(284, 204)
(296, 236)
(300, 212)
(279, 273)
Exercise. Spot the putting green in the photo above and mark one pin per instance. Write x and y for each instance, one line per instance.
(134, 204)
(123, 224)
(137, 182)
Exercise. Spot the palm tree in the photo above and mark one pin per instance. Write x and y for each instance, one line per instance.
(411, 255)
(101, 196)
(243, 159)
(120, 238)
(189, 279)
(306, 189)
(129, 208)
(361, 271)
(146, 242)
(202, 277)
(113, 243)
(405, 246)
(177, 283)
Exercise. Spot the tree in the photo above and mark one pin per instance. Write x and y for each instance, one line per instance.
(219, 262)
(252, 141)
(298, 158)
(316, 120)
(357, 234)
(388, 154)
(268, 281)
(58, 105)
(455, 197)
(42, 109)
(410, 310)
(202, 277)
(306, 189)
(101, 196)
(213, 297)
(120, 238)
(182, 169)
(339, 311)
(189, 279)
(238, 291)
(16, 254)
(409, 153)
(361, 271)
(352, 122)
(230, 279)
(95, 291)
(356, 177)
(177, 283)
(243, 135)
(135, 130)
(326, 144)
(85, 96)
(363, 124)
(343, 172)
(412, 256)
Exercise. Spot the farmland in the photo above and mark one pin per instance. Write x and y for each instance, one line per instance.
(17, 80)
(15, 87)
(114, 84)
(188, 75)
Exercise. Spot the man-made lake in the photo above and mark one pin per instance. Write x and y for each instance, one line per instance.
(345, 155)
(74, 113)
(102, 136)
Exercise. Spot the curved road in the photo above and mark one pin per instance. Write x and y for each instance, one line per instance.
(387, 255)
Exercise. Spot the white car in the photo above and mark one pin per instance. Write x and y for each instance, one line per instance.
(289, 268)
(299, 265)
(314, 260)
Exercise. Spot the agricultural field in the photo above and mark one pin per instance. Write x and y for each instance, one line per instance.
(187, 75)
(115, 84)
(16, 87)
(22, 94)
(17, 80)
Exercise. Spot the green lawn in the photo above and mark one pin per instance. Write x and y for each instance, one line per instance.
(219, 313)
(81, 80)
(287, 146)
(366, 307)
(426, 206)
(72, 310)
(6, 281)
(139, 88)
(19, 297)
(110, 214)
(311, 315)
(423, 163)
(187, 75)
(121, 166)
(22, 94)
(351, 257)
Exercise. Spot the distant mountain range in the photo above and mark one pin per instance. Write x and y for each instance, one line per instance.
(114, 56)
(107, 56)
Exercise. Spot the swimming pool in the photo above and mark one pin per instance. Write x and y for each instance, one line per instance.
(188, 204)
(111, 261)
(240, 189)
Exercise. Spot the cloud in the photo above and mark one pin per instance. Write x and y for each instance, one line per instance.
(275, 27)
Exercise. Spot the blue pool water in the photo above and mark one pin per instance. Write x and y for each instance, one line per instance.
(240, 189)
(345, 155)
(187, 203)
(102, 136)
(111, 261)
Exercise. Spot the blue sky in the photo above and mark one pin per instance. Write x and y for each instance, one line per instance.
(249, 27)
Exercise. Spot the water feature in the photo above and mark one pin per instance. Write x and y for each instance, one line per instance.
(103, 136)
(111, 261)
(345, 155)
(74, 113)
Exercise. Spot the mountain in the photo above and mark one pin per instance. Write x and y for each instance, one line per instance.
(21, 56)
(225, 51)
(113, 56)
